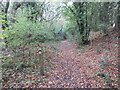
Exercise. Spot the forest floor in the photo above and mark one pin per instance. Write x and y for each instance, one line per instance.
(92, 66)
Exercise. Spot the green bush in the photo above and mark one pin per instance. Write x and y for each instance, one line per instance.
(25, 32)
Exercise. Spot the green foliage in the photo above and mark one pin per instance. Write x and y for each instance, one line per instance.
(70, 26)
(7, 63)
(103, 62)
(25, 32)
(101, 74)
(106, 76)
(99, 51)
(95, 15)
(24, 37)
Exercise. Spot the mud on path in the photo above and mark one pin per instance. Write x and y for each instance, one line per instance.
(67, 70)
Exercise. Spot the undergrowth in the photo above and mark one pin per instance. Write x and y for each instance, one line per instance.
(29, 60)
(106, 76)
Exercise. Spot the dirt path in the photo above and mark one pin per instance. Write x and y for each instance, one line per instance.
(67, 73)
(79, 68)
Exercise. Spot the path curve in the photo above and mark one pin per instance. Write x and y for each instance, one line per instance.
(67, 73)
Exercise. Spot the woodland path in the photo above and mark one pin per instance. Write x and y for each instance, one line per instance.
(67, 72)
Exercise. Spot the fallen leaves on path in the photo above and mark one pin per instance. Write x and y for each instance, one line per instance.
(78, 68)
(73, 67)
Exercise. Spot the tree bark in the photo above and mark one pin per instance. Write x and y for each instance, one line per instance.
(82, 22)
(4, 20)
(118, 18)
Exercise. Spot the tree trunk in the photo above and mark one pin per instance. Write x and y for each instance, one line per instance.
(82, 22)
(4, 20)
(118, 18)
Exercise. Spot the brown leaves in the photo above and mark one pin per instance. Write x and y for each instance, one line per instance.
(27, 86)
(81, 66)
(71, 69)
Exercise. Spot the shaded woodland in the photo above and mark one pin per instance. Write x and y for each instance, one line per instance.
(59, 44)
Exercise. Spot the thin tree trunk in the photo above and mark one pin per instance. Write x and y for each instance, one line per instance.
(81, 22)
(4, 20)
(118, 18)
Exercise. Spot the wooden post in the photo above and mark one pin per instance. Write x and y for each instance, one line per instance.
(41, 62)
